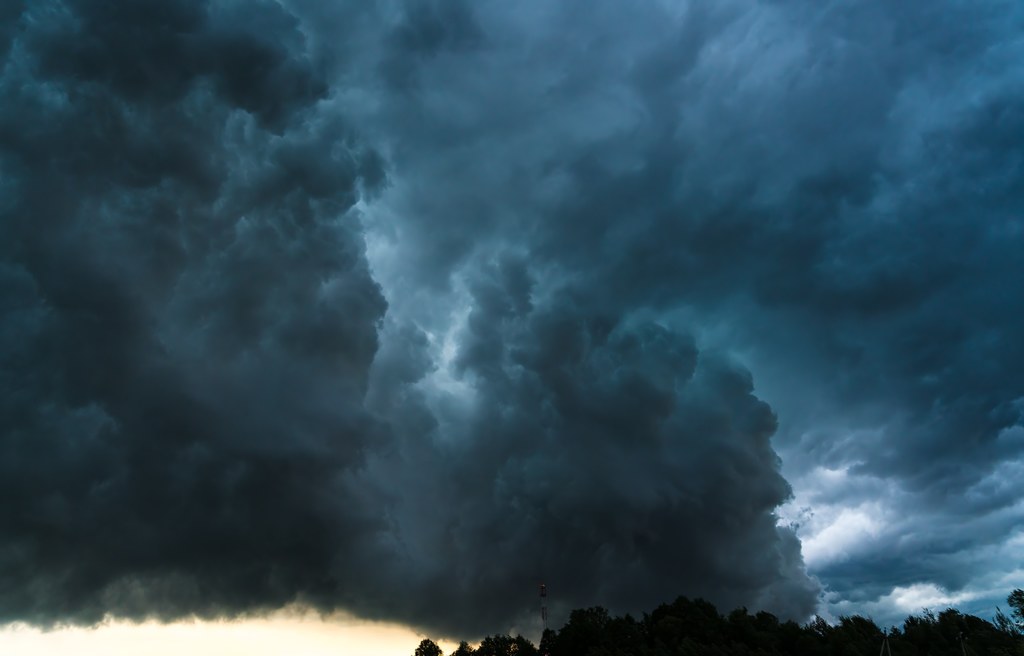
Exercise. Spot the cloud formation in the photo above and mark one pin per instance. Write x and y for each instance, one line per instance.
(189, 318)
(401, 308)
(830, 193)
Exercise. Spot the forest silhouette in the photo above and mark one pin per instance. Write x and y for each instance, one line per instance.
(688, 627)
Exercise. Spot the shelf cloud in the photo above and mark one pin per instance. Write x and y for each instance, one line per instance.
(405, 308)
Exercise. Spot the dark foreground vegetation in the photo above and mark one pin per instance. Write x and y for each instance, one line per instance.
(695, 628)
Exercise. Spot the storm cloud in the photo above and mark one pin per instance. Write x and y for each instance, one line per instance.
(831, 194)
(404, 309)
(188, 314)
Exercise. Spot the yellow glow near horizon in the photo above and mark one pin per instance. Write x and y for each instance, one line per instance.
(286, 633)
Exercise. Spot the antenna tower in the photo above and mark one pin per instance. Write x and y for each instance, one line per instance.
(544, 606)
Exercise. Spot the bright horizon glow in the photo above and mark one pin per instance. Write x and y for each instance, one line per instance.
(285, 633)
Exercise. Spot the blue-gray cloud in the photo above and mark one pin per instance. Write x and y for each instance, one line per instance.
(831, 193)
(189, 318)
(399, 308)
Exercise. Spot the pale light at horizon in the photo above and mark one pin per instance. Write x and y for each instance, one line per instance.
(284, 633)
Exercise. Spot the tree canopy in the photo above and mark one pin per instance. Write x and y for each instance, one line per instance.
(688, 627)
(428, 648)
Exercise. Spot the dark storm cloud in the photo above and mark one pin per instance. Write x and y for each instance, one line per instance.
(189, 319)
(598, 450)
(191, 420)
(832, 192)
(241, 369)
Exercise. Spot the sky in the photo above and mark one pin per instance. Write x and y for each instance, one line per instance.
(394, 310)
(289, 631)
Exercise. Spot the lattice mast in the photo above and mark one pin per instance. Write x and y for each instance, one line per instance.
(544, 606)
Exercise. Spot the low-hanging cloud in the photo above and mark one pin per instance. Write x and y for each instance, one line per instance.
(599, 451)
(830, 192)
(401, 309)
(189, 317)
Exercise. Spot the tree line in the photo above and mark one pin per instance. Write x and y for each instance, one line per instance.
(688, 627)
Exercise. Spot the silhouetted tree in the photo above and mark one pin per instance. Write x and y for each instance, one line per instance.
(1016, 602)
(1005, 623)
(695, 628)
(547, 642)
(583, 633)
(524, 647)
(428, 648)
(505, 645)
(463, 649)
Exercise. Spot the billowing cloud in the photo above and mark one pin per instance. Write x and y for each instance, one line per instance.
(189, 319)
(402, 308)
(831, 194)
(600, 452)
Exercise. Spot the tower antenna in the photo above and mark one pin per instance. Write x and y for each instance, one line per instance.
(544, 606)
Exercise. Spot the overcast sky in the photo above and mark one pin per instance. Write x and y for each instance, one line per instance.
(400, 308)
